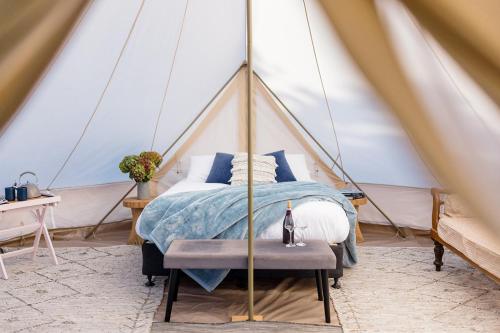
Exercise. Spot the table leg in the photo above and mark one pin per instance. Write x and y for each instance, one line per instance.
(40, 215)
(359, 234)
(171, 291)
(326, 294)
(2, 269)
(133, 238)
(49, 244)
(317, 275)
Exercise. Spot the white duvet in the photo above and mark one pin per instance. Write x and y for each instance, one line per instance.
(324, 220)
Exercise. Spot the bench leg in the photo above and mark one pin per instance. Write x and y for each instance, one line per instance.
(171, 292)
(317, 274)
(177, 282)
(326, 294)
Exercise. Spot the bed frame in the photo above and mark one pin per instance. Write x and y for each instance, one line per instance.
(152, 265)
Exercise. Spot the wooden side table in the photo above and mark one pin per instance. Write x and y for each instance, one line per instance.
(136, 205)
(356, 203)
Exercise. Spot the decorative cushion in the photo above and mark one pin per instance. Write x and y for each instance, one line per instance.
(455, 207)
(264, 169)
(283, 172)
(221, 169)
(298, 165)
(199, 168)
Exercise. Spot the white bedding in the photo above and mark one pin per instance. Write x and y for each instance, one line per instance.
(324, 220)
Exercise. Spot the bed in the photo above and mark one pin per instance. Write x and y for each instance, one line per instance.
(325, 220)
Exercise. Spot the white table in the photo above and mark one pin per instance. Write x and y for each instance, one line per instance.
(39, 206)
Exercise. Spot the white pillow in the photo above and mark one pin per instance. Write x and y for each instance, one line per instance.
(199, 168)
(264, 169)
(298, 165)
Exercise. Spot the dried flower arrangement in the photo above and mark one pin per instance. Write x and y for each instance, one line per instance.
(142, 167)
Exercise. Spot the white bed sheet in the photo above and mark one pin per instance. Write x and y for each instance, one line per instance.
(324, 220)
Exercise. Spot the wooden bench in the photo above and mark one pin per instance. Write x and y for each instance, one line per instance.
(317, 256)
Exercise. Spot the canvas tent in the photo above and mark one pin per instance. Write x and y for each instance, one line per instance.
(133, 75)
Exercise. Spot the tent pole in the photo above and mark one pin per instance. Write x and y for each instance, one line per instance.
(198, 116)
(399, 230)
(250, 160)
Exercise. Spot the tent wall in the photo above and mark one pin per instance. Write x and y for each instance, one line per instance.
(63, 109)
(62, 123)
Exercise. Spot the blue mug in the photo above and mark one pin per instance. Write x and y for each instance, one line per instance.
(22, 193)
(10, 193)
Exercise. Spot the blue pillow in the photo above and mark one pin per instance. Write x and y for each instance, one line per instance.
(221, 169)
(283, 172)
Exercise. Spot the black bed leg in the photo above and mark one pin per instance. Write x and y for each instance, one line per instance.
(326, 294)
(150, 282)
(317, 274)
(171, 293)
(438, 255)
(336, 283)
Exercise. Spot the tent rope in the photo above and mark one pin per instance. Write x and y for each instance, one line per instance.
(169, 77)
(101, 97)
(449, 75)
(330, 112)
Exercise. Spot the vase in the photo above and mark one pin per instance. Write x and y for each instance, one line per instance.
(143, 192)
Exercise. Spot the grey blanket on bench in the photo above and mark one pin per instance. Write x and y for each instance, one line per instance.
(222, 213)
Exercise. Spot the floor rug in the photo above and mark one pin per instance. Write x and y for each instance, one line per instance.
(92, 290)
(398, 290)
(288, 300)
(102, 290)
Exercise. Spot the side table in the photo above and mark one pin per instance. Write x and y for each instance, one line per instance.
(356, 203)
(136, 205)
(39, 207)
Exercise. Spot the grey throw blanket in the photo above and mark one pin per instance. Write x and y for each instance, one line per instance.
(222, 213)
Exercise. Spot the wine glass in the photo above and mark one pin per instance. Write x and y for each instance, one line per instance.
(290, 226)
(301, 235)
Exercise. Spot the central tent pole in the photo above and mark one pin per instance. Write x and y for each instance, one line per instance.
(250, 160)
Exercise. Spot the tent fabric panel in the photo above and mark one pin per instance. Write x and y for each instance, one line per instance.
(132, 100)
(372, 50)
(367, 133)
(31, 33)
(407, 206)
(46, 129)
(469, 32)
(194, 81)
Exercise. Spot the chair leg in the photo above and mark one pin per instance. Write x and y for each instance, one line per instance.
(438, 255)
(171, 291)
(326, 294)
(317, 274)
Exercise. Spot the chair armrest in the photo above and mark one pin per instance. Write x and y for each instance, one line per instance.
(436, 206)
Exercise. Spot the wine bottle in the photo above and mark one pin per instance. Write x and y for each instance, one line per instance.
(286, 233)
